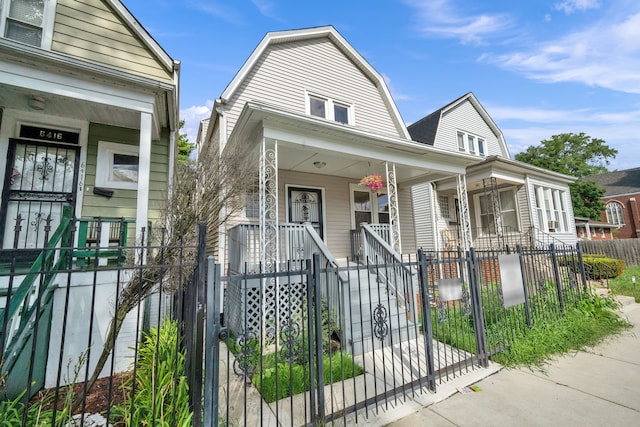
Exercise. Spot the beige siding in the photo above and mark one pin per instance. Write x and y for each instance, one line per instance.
(407, 229)
(466, 118)
(422, 213)
(90, 30)
(123, 202)
(285, 71)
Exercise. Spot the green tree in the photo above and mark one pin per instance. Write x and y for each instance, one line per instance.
(578, 155)
(185, 148)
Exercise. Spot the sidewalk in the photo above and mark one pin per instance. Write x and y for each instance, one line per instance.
(597, 387)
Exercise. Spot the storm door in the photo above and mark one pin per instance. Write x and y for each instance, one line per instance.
(305, 205)
(40, 179)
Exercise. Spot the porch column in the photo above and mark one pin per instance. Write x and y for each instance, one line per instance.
(144, 166)
(465, 221)
(394, 212)
(269, 204)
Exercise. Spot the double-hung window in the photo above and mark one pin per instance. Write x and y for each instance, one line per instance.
(329, 109)
(472, 144)
(27, 21)
(487, 212)
(551, 209)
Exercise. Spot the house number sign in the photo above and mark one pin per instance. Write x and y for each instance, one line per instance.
(47, 134)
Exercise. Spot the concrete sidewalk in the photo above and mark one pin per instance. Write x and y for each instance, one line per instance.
(596, 387)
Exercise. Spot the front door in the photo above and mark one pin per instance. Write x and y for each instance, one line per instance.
(305, 205)
(40, 179)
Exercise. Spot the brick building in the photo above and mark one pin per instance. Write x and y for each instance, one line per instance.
(622, 197)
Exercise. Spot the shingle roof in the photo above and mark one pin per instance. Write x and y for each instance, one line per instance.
(425, 129)
(619, 182)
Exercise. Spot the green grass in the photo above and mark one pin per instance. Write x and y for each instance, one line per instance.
(584, 324)
(622, 285)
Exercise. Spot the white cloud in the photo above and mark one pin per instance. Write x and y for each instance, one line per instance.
(440, 19)
(267, 8)
(216, 9)
(192, 117)
(606, 54)
(570, 6)
(397, 96)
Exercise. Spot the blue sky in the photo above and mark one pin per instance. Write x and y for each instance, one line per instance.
(540, 67)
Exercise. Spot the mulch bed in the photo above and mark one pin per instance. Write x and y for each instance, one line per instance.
(96, 402)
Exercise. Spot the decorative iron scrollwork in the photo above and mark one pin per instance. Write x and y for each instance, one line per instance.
(380, 326)
(45, 168)
(443, 314)
(246, 362)
(289, 335)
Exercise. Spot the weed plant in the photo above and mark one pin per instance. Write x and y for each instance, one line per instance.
(161, 391)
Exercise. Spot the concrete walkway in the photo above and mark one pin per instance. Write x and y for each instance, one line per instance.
(596, 387)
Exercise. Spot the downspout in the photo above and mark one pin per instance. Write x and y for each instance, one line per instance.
(175, 133)
(434, 217)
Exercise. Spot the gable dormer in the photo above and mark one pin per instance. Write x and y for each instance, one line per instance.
(315, 72)
(463, 126)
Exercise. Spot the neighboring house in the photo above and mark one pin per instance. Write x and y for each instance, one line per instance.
(588, 229)
(621, 197)
(318, 118)
(88, 125)
(497, 201)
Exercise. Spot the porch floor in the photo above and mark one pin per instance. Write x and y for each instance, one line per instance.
(401, 367)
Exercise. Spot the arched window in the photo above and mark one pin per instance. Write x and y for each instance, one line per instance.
(614, 213)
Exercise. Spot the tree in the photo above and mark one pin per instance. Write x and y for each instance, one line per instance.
(578, 155)
(210, 190)
(185, 148)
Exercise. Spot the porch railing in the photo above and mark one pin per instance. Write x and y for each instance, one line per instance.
(389, 267)
(484, 239)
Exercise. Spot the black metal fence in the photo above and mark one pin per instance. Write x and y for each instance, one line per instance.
(108, 334)
(198, 348)
(292, 357)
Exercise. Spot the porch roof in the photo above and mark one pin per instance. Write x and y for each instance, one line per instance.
(342, 150)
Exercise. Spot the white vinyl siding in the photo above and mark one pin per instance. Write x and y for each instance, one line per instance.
(91, 31)
(466, 118)
(286, 72)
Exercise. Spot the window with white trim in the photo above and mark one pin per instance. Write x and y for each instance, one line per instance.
(443, 201)
(472, 144)
(551, 209)
(117, 166)
(329, 109)
(614, 212)
(252, 201)
(27, 21)
(485, 209)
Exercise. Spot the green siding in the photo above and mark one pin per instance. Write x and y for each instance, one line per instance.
(123, 202)
(90, 30)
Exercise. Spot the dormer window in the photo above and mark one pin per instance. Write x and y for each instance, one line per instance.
(472, 144)
(329, 109)
(27, 21)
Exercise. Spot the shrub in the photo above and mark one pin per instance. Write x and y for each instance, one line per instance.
(602, 267)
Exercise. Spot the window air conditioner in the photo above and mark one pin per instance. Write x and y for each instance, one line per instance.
(553, 225)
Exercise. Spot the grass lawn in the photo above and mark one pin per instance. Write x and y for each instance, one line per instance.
(623, 285)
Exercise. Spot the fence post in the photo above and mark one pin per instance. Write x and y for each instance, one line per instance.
(427, 327)
(215, 333)
(556, 275)
(195, 383)
(583, 273)
(310, 327)
(476, 303)
(317, 313)
(527, 308)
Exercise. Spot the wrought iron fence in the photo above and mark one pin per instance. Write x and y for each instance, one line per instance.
(81, 338)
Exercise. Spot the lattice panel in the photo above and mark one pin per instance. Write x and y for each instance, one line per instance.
(251, 311)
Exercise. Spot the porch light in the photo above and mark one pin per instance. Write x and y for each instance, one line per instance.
(319, 165)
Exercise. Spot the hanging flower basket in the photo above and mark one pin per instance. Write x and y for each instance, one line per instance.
(372, 182)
